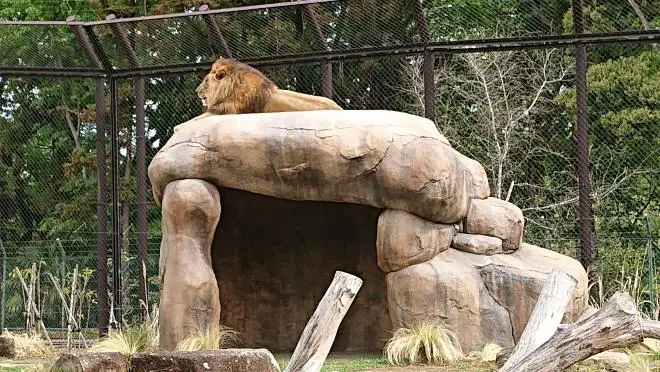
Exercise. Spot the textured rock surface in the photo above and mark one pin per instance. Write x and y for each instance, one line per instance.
(475, 176)
(498, 218)
(274, 258)
(404, 239)
(91, 362)
(224, 360)
(189, 297)
(477, 244)
(482, 298)
(384, 159)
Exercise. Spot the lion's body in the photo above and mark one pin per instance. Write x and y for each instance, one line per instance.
(285, 100)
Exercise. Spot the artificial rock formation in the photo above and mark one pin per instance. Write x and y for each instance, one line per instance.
(448, 249)
(483, 298)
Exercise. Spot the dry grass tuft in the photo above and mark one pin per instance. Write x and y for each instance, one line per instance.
(221, 338)
(132, 339)
(425, 343)
(488, 353)
(30, 346)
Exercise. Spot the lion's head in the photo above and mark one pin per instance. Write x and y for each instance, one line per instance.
(234, 87)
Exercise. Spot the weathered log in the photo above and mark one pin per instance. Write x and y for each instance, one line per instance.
(617, 324)
(223, 360)
(546, 316)
(319, 333)
(91, 362)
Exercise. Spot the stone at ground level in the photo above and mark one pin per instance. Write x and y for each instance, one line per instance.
(498, 218)
(404, 239)
(7, 347)
(223, 360)
(477, 244)
(91, 362)
(482, 298)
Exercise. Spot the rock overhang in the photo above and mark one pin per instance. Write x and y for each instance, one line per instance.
(385, 159)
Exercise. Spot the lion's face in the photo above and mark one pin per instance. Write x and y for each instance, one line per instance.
(215, 87)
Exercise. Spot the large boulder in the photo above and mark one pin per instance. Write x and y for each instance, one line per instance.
(404, 239)
(482, 298)
(384, 159)
(498, 218)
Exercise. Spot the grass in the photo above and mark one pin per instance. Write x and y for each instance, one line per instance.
(424, 343)
(224, 337)
(30, 346)
(132, 339)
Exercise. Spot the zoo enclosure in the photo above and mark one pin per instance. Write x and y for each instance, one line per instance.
(144, 71)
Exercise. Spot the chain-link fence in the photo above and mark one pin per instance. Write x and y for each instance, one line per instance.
(502, 83)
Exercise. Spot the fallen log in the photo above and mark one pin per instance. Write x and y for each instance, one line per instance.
(319, 333)
(546, 316)
(617, 324)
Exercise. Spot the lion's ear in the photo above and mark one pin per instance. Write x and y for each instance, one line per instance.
(220, 75)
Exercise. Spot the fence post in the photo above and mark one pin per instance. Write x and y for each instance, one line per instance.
(89, 44)
(3, 263)
(102, 250)
(581, 133)
(429, 85)
(116, 233)
(140, 158)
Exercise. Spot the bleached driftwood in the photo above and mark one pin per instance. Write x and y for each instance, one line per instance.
(319, 333)
(617, 324)
(546, 316)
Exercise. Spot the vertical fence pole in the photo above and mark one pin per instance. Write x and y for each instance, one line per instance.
(116, 232)
(3, 263)
(102, 253)
(138, 84)
(429, 85)
(141, 192)
(581, 133)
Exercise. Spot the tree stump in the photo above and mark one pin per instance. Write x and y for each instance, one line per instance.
(319, 334)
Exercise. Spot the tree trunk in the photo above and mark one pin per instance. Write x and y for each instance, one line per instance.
(319, 334)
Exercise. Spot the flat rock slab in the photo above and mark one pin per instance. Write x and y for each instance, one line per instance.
(477, 244)
(223, 360)
(482, 298)
(384, 159)
(91, 362)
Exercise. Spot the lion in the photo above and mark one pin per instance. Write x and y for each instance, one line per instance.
(233, 87)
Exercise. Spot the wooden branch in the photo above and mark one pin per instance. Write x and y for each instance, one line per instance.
(546, 316)
(616, 325)
(319, 333)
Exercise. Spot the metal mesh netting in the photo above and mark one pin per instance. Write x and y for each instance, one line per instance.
(515, 111)
(47, 197)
